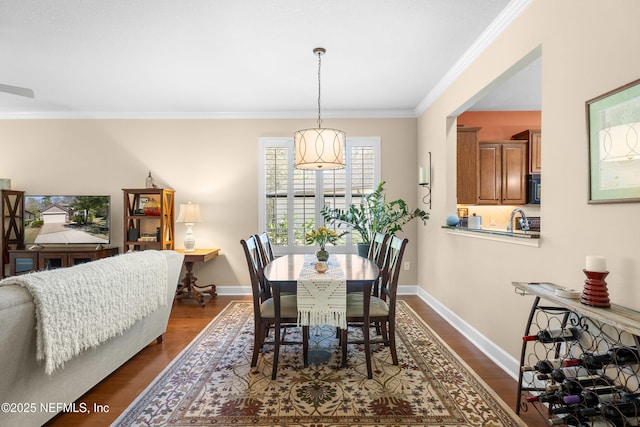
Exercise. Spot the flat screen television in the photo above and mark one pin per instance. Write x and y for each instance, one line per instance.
(66, 220)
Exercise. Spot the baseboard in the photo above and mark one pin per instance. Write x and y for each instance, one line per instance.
(505, 361)
(234, 290)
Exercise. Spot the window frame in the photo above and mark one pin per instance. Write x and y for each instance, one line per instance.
(287, 142)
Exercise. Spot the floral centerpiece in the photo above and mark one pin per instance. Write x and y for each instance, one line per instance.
(321, 236)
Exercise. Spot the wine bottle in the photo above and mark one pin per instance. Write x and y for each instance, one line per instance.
(560, 374)
(543, 366)
(545, 397)
(570, 420)
(626, 409)
(578, 384)
(553, 335)
(616, 412)
(624, 355)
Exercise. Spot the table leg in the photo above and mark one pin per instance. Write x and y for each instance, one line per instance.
(189, 288)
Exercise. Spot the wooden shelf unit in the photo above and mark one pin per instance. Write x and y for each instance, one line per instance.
(12, 224)
(138, 226)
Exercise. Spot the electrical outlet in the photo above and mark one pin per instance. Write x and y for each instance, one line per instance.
(407, 265)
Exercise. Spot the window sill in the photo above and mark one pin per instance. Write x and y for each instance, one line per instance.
(530, 238)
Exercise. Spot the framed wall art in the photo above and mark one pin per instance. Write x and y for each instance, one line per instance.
(613, 121)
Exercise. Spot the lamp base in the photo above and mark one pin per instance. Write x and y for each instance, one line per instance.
(189, 240)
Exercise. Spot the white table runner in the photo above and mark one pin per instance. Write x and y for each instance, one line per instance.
(322, 297)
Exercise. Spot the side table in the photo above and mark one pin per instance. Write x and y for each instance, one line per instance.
(188, 288)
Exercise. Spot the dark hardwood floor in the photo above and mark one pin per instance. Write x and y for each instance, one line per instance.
(187, 320)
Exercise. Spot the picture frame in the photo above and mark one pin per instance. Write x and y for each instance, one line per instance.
(613, 126)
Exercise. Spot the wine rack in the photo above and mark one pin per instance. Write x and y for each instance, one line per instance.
(600, 386)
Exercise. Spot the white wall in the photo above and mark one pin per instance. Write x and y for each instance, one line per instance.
(588, 48)
(211, 162)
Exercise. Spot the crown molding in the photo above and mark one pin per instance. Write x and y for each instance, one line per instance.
(502, 21)
(285, 115)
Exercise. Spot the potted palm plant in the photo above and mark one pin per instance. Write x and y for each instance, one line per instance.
(373, 214)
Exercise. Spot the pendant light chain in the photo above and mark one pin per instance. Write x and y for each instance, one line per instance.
(319, 149)
(319, 66)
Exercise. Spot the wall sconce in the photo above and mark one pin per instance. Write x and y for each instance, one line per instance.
(424, 180)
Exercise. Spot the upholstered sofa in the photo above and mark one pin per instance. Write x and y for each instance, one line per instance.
(29, 396)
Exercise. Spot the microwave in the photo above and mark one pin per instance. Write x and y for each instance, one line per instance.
(533, 196)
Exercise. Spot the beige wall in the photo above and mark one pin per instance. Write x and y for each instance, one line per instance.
(586, 49)
(211, 162)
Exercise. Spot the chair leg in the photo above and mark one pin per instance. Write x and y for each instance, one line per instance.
(258, 342)
(384, 332)
(344, 333)
(392, 341)
(276, 350)
(305, 346)
(367, 350)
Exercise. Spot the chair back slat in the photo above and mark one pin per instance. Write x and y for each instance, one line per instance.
(266, 251)
(254, 264)
(378, 248)
(392, 267)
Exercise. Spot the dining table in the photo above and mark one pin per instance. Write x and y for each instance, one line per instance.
(283, 272)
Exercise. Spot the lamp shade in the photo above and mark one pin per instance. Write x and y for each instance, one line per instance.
(319, 149)
(189, 213)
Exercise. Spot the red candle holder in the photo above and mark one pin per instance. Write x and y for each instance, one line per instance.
(595, 291)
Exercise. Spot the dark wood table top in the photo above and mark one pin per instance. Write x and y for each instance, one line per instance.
(286, 269)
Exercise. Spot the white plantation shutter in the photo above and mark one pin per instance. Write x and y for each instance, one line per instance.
(291, 199)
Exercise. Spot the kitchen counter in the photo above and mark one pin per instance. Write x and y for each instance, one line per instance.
(497, 232)
(527, 238)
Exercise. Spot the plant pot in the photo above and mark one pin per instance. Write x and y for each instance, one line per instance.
(322, 255)
(363, 249)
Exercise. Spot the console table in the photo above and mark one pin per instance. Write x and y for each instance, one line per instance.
(599, 330)
(189, 288)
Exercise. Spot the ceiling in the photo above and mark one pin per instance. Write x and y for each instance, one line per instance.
(243, 58)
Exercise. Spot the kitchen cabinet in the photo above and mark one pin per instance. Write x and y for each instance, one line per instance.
(467, 165)
(502, 172)
(534, 137)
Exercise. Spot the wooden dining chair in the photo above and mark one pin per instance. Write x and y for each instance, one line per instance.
(271, 312)
(363, 308)
(266, 256)
(266, 251)
(377, 252)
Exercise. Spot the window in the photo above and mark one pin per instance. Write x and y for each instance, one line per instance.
(291, 199)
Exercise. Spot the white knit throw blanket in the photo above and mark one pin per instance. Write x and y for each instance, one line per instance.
(79, 307)
(322, 297)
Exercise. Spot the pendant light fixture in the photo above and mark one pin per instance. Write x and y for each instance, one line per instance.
(319, 148)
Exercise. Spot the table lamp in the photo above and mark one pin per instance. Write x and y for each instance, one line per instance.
(189, 214)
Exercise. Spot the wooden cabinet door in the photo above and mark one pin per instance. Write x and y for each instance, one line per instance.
(489, 174)
(51, 260)
(535, 152)
(514, 171)
(534, 137)
(466, 165)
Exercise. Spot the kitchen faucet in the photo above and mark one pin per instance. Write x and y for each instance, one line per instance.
(524, 222)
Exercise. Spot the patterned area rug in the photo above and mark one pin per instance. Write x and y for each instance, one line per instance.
(211, 383)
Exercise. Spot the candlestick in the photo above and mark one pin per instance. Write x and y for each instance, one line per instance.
(596, 263)
(423, 176)
(595, 291)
